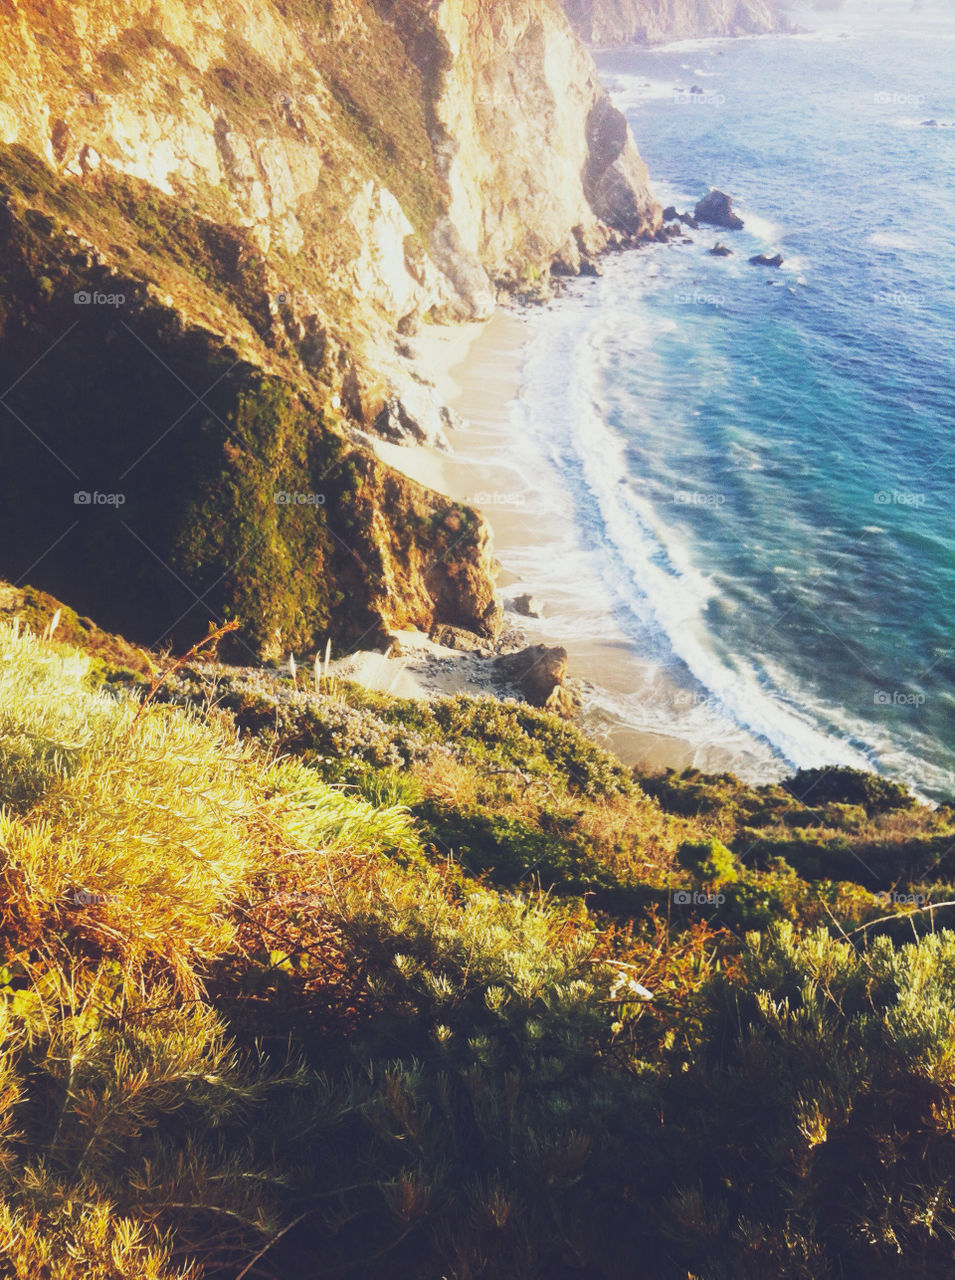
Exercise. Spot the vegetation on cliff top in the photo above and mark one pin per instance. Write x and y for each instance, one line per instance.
(260, 1019)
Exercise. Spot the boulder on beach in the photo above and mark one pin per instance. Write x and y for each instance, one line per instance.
(716, 208)
(458, 638)
(761, 260)
(527, 606)
(539, 673)
(720, 250)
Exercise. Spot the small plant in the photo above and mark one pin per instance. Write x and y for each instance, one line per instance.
(708, 861)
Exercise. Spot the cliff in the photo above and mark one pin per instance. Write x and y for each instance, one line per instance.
(217, 222)
(616, 22)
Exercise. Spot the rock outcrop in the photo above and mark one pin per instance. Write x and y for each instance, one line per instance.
(646, 22)
(716, 208)
(539, 673)
(215, 217)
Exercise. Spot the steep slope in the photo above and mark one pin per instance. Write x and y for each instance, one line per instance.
(615, 22)
(215, 218)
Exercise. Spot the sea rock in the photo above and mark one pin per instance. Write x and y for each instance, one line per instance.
(929, 124)
(527, 606)
(539, 672)
(696, 89)
(670, 214)
(762, 260)
(716, 208)
(458, 638)
(720, 250)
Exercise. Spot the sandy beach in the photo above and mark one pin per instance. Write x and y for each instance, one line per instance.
(477, 369)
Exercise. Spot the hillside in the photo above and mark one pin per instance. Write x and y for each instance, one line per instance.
(299, 980)
(621, 22)
(217, 224)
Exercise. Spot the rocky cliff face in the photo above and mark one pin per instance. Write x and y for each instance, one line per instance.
(215, 218)
(616, 22)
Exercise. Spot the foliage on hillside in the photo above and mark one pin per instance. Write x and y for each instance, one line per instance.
(258, 1019)
(225, 492)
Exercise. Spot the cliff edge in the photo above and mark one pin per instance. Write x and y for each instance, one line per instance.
(646, 22)
(217, 220)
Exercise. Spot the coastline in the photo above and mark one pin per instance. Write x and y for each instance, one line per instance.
(478, 370)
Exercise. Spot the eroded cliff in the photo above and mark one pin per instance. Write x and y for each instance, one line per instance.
(215, 220)
(616, 22)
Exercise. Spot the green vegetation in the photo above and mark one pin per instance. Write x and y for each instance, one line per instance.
(328, 983)
(196, 441)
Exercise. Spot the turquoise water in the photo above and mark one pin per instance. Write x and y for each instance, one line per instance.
(759, 464)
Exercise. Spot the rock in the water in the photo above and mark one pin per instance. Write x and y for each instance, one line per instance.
(761, 260)
(539, 673)
(696, 89)
(527, 606)
(717, 209)
(720, 250)
(670, 214)
(929, 124)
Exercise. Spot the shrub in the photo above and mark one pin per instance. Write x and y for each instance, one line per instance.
(841, 1063)
(708, 861)
(850, 787)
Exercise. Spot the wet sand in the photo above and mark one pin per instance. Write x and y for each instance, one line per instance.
(477, 369)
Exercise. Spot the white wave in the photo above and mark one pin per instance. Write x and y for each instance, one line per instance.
(616, 554)
(763, 228)
(654, 577)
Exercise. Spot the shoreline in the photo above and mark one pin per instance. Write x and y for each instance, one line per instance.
(478, 370)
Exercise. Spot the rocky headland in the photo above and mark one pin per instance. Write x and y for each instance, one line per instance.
(219, 224)
(648, 22)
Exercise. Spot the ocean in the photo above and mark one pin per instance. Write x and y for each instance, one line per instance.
(754, 469)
